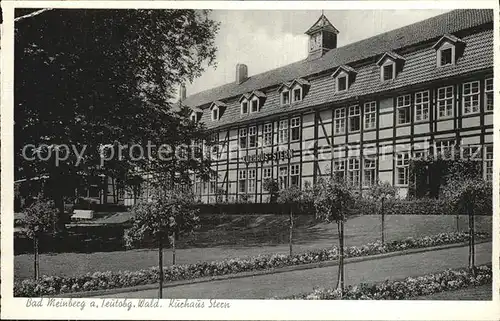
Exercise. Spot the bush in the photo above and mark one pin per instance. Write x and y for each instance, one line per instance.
(49, 285)
(408, 288)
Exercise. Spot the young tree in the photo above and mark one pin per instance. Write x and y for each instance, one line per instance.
(472, 196)
(333, 198)
(39, 218)
(272, 187)
(381, 192)
(111, 81)
(291, 196)
(168, 214)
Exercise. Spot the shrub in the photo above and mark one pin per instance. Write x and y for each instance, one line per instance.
(407, 288)
(107, 280)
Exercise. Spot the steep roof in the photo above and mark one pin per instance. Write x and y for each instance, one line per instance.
(322, 24)
(426, 30)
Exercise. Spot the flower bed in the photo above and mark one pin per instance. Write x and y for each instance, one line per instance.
(408, 288)
(51, 285)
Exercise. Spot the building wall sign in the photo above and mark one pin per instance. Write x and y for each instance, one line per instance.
(266, 157)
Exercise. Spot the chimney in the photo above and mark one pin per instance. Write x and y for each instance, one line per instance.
(182, 92)
(241, 73)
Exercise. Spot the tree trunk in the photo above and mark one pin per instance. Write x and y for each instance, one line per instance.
(173, 248)
(458, 223)
(59, 204)
(291, 231)
(341, 261)
(383, 221)
(473, 245)
(36, 258)
(160, 266)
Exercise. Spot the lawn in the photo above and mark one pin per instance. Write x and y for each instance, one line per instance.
(240, 236)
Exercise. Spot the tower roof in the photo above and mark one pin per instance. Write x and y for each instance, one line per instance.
(322, 24)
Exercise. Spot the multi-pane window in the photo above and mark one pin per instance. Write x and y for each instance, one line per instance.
(339, 170)
(283, 131)
(297, 95)
(402, 166)
(254, 105)
(421, 154)
(267, 172)
(369, 172)
(422, 106)
(488, 163)
(244, 107)
(285, 97)
(295, 175)
(283, 177)
(445, 147)
(354, 118)
(353, 171)
(445, 102)
(295, 128)
(243, 138)
(470, 97)
(339, 118)
(403, 108)
(370, 115)
(342, 83)
(251, 180)
(242, 181)
(252, 136)
(268, 134)
(471, 152)
(488, 94)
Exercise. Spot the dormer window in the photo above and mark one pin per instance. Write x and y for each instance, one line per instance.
(285, 97)
(297, 94)
(390, 64)
(388, 71)
(254, 105)
(251, 102)
(244, 107)
(217, 110)
(448, 49)
(215, 114)
(344, 77)
(193, 117)
(342, 83)
(446, 57)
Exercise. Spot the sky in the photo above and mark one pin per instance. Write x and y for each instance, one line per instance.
(267, 39)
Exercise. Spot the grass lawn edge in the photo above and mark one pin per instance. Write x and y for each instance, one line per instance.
(306, 266)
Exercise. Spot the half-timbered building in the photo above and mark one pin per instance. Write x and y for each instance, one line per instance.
(359, 111)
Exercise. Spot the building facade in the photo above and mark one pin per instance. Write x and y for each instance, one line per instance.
(360, 111)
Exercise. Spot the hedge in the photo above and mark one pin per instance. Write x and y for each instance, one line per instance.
(363, 206)
(408, 288)
(50, 285)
